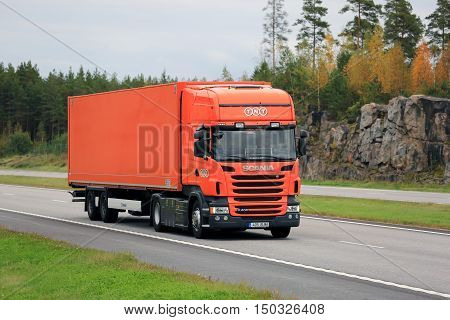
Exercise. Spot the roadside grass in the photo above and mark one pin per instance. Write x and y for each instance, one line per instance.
(55, 183)
(407, 186)
(34, 267)
(38, 162)
(396, 212)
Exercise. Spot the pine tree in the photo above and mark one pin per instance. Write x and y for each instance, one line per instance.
(226, 75)
(262, 72)
(275, 28)
(365, 19)
(439, 24)
(421, 70)
(313, 27)
(402, 26)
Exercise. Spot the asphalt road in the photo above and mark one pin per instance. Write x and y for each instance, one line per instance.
(323, 259)
(394, 195)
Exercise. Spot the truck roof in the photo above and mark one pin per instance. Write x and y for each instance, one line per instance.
(194, 85)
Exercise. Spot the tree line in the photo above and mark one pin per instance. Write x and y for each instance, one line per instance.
(33, 109)
(367, 62)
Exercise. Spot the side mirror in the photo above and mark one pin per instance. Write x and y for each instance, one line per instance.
(201, 146)
(199, 134)
(302, 143)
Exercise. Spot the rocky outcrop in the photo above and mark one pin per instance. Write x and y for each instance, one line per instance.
(408, 137)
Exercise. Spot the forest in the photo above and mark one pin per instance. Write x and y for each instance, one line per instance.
(384, 51)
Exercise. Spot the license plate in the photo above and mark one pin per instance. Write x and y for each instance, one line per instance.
(258, 225)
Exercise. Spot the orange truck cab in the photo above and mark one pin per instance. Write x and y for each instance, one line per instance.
(194, 155)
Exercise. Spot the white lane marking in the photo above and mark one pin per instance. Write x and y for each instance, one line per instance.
(59, 201)
(238, 253)
(8, 194)
(376, 225)
(361, 244)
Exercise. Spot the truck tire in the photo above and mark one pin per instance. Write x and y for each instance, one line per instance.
(196, 221)
(280, 232)
(108, 215)
(92, 210)
(156, 216)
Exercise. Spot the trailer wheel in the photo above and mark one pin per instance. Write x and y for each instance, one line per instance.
(92, 210)
(108, 215)
(196, 221)
(156, 216)
(280, 232)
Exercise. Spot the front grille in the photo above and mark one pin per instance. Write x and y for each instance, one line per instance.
(258, 184)
(258, 199)
(257, 191)
(257, 177)
(263, 190)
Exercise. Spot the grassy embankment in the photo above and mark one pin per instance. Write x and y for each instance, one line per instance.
(395, 212)
(33, 267)
(39, 162)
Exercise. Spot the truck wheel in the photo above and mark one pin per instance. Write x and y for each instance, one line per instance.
(108, 215)
(156, 217)
(92, 210)
(280, 232)
(196, 221)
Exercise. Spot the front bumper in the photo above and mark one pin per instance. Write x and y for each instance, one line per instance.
(232, 222)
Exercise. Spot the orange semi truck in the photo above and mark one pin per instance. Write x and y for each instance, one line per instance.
(194, 155)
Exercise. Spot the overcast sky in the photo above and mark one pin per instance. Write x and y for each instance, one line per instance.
(187, 38)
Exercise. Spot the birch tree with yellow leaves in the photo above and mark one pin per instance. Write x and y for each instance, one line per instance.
(421, 70)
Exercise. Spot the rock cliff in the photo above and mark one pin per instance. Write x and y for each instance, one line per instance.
(409, 138)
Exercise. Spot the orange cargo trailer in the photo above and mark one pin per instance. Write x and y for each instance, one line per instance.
(105, 130)
(195, 155)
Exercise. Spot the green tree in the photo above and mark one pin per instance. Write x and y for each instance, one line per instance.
(275, 28)
(262, 72)
(336, 96)
(226, 75)
(364, 21)
(402, 26)
(313, 27)
(439, 24)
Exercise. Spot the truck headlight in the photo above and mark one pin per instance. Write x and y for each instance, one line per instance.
(219, 210)
(294, 209)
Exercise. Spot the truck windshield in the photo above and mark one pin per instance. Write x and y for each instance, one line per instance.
(257, 144)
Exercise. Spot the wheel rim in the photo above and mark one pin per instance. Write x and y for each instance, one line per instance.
(196, 219)
(156, 214)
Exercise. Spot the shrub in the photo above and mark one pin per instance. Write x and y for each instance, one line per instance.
(56, 146)
(18, 143)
